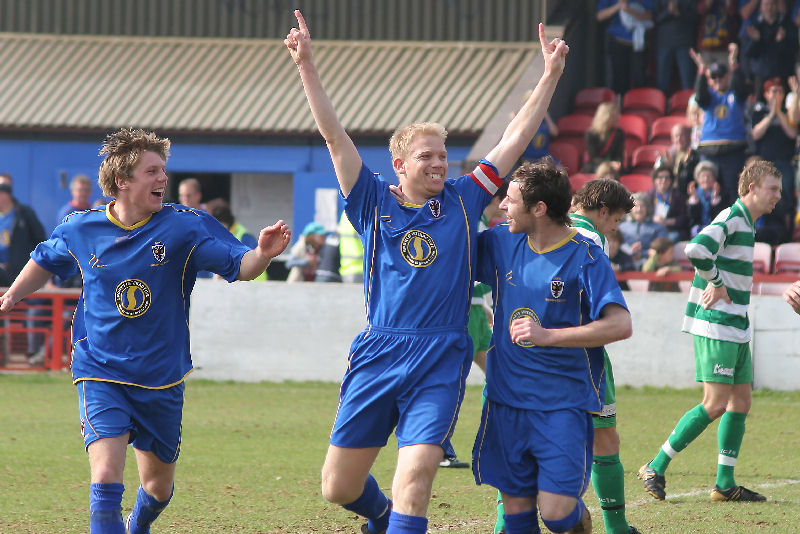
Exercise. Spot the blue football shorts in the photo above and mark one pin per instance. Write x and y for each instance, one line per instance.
(411, 381)
(151, 416)
(521, 452)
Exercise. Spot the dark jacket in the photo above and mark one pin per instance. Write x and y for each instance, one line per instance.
(25, 235)
(677, 219)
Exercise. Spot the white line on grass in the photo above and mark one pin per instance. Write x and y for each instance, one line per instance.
(695, 493)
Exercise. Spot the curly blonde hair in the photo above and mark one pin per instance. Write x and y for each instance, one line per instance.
(122, 151)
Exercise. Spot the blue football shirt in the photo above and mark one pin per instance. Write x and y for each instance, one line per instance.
(419, 260)
(566, 285)
(132, 321)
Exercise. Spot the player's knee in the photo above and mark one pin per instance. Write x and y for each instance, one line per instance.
(715, 408)
(337, 490)
(563, 516)
(606, 441)
(158, 489)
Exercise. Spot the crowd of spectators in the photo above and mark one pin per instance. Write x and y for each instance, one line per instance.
(740, 61)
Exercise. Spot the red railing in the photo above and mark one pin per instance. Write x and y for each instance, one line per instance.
(36, 334)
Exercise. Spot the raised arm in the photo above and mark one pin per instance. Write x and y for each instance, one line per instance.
(523, 126)
(272, 240)
(346, 161)
(31, 278)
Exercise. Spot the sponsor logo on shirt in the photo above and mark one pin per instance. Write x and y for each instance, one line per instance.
(133, 298)
(418, 248)
(723, 371)
(524, 312)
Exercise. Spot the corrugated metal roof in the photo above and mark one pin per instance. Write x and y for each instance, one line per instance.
(52, 82)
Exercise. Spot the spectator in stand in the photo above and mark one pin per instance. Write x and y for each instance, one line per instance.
(640, 231)
(705, 198)
(661, 261)
(681, 158)
(620, 261)
(770, 44)
(607, 171)
(20, 230)
(627, 21)
(351, 252)
(81, 190)
(604, 140)
(675, 22)
(222, 212)
(775, 137)
(721, 92)
(718, 26)
(539, 146)
(668, 204)
(304, 255)
(190, 194)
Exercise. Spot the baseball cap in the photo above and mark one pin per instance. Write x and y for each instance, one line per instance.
(718, 69)
(313, 228)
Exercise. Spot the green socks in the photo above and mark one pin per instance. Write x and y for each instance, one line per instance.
(608, 480)
(688, 428)
(500, 524)
(729, 439)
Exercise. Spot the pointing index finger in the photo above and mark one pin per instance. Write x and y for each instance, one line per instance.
(301, 22)
(542, 37)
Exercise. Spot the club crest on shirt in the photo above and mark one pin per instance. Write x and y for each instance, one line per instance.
(159, 251)
(418, 248)
(556, 288)
(133, 298)
(435, 206)
(524, 312)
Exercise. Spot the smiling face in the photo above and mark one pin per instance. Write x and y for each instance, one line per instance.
(662, 181)
(520, 219)
(422, 172)
(143, 193)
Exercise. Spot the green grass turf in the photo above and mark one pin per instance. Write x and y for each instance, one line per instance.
(252, 453)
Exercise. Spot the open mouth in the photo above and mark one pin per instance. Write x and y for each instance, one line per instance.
(158, 193)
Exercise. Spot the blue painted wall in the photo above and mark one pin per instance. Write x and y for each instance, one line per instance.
(42, 169)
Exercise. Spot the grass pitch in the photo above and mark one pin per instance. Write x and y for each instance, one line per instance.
(252, 453)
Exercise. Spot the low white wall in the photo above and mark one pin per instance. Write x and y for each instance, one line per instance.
(276, 331)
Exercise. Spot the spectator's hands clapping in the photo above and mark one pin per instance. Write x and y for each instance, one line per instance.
(752, 33)
(698, 60)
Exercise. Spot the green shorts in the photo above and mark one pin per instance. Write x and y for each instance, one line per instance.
(608, 417)
(479, 329)
(726, 362)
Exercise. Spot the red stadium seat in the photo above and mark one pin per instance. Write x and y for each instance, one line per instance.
(762, 257)
(634, 126)
(645, 157)
(646, 102)
(679, 101)
(567, 154)
(572, 130)
(661, 129)
(578, 179)
(637, 183)
(787, 258)
(587, 100)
